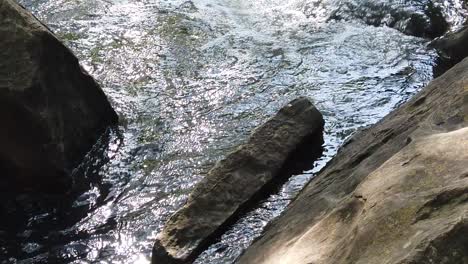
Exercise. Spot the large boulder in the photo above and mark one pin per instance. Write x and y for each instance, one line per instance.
(51, 110)
(396, 192)
(233, 181)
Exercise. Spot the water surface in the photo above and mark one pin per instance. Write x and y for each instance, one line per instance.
(190, 80)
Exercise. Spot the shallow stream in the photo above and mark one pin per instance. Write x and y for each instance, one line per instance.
(190, 80)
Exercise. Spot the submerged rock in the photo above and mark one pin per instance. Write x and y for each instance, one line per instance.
(426, 21)
(430, 24)
(51, 110)
(396, 192)
(233, 181)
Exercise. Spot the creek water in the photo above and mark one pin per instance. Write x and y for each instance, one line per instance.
(190, 80)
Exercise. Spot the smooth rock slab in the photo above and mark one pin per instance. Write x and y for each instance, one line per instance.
(51, 110)
(236, 179)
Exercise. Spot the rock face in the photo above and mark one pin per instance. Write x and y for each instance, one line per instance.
(51, 110)
(236, 179)
(396, 193)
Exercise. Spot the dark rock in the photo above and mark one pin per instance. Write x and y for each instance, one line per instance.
(397, 193)
(430, 24)
(427, 22)
(52, 111)
(452, 49)
(233, 181)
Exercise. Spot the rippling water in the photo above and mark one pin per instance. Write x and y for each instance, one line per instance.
(190, 80)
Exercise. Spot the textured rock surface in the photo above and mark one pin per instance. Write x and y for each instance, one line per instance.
(238, 177)
(51, 110)
(396, 193)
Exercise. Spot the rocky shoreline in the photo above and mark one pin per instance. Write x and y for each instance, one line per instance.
(396, 192)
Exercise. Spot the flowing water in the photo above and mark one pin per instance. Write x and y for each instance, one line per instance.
(190, 80)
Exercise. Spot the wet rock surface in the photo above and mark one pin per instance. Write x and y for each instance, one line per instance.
(237, 178)
(52, 111)
(395, 193)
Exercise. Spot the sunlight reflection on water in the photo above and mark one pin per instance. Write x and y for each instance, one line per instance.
(191, 80)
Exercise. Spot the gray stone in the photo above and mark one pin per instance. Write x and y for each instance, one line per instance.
(233, 181)
(51, 110)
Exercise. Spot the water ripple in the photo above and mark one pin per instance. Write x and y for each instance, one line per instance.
(190, 80)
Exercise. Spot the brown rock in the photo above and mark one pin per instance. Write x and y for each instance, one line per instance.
(236, 179)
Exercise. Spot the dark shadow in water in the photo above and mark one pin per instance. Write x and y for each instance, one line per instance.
(37, 223)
